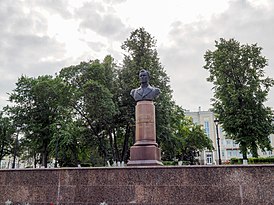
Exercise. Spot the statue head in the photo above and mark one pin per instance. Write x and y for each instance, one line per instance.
(144, 76)
(145, 92)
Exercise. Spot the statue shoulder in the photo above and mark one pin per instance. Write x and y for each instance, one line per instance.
(157, 90)
(132, 92)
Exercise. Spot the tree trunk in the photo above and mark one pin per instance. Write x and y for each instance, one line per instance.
(101, 145)
(125, 145)
(112, 147)
(35, 160)
(116, 148)
(44, 155)
(102, 148)
(254, 149)
(243, 150)
(2, 152)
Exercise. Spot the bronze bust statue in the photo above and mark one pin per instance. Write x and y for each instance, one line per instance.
(145, 91)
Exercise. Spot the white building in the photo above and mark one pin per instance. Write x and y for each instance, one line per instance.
(228, 148)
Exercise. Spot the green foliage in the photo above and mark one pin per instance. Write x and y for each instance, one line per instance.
(236, 161)
(261, 160)
(66, 143)
(189, 138)
(253, 160)
(37, 104)
(240, 90)
(92, 86)
(86, 165)
(170, 163)
(6, 132)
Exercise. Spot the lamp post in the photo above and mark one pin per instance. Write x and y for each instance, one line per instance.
(56, 146)
(15, 151)
(15, 148)
(216, 121)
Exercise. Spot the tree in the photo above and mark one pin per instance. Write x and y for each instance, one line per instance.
(140, 54)
(92, 87)
(37, 104)
(188, 138)
(67, 142)
(240, 90)
(6, 132)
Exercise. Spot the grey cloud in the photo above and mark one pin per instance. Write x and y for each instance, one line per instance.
(192, 98)
(102, 20)
(114, 1)
(52, 6)
(13, 71)
(183, 56)
(13, 19)
(22, 50)
(96, 46)
(23, 55)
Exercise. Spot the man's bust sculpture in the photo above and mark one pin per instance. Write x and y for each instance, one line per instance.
(145, 91)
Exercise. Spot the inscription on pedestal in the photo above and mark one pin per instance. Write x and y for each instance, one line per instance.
(145, 123)
(144, 118)
(145, 150)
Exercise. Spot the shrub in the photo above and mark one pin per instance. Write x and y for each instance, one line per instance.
(253, 160)
(169, 163)
(236, 161)
(86, 165)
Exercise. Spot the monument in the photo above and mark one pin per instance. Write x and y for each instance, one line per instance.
(145, 151)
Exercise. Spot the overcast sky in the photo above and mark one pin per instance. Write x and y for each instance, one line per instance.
(41, 37)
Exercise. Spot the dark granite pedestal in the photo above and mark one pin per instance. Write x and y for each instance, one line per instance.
(145, 151)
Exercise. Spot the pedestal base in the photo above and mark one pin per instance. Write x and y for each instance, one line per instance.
(145, 155)
(144, 163)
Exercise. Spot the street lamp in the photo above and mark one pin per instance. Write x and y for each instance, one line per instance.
(15, 148)
(15, 151)
(216, 121)
(56, 146)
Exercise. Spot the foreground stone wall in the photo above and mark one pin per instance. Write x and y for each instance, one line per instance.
(188, 185)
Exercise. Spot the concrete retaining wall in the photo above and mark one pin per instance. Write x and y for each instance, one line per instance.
(188, 185)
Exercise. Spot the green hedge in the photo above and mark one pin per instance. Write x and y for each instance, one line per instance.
(173, 163)
(252, 160)
(236, 161)
(86, 165)
(169, 163)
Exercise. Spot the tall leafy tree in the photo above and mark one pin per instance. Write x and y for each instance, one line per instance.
(92, 84)
(37, 104)
(67, 142)
(141, 53)
(6, 131)
(240, 91)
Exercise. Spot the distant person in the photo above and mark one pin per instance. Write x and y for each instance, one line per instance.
(145, 91)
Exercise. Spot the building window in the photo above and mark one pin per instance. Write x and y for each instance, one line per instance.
(223, 142)
(206, 127)
(209, 159)
(235, 153)
(223, 153)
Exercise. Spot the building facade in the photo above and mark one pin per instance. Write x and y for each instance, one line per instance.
(228, 148)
